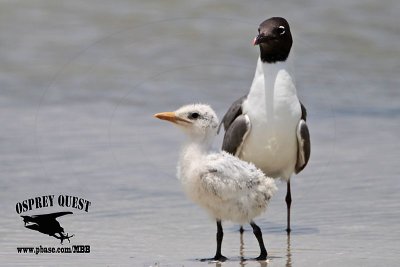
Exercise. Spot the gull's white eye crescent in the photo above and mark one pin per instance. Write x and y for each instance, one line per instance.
(281, 30)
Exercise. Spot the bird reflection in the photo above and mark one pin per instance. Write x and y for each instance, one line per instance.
(241, 248)
(243, 261)
(288, 253)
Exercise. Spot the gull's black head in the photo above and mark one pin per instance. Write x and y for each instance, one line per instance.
(274, 39)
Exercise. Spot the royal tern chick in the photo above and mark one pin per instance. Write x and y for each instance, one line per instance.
(227, 187)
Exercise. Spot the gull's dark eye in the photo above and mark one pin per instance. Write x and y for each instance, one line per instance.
(193, 115)
(281, 30)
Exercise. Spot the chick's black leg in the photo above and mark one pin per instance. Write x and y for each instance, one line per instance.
(220, 235)
(258, 234)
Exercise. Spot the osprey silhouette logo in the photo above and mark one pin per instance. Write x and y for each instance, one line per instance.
(47, 224)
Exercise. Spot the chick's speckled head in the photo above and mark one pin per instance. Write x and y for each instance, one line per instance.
(199, 121)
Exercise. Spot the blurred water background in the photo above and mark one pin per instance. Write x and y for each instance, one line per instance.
(80, 81)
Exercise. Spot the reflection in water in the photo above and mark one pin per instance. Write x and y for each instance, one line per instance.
(241, 250)
(288, 253)
(265, 263)
(242, 261)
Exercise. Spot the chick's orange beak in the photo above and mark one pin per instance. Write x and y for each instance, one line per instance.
(170, 116)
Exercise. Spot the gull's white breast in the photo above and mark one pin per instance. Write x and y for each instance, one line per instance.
(274, 112)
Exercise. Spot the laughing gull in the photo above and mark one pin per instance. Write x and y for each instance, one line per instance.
(268, 126)
(227, 187)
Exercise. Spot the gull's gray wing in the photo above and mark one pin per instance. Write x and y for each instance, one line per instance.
(233, 112)
(236, 126)
(236, 134)
(303, 142)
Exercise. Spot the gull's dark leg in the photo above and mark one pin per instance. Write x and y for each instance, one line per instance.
(288, 200)
(220, 235)
(241, 230)
(258, 234)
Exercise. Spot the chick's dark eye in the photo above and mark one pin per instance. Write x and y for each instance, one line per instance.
(193, 115)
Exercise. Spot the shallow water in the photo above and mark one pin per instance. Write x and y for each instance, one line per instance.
(80, 82)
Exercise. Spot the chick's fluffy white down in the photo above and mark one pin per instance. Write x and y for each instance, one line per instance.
(228, 188)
